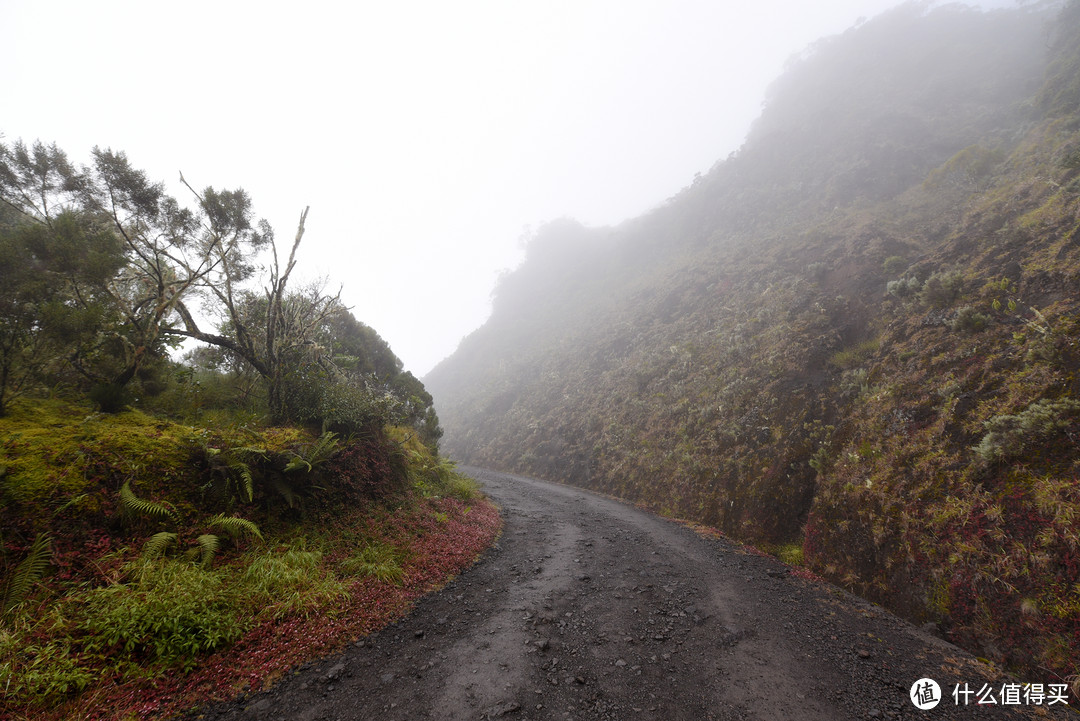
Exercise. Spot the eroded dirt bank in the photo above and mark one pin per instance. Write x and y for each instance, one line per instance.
(591, 609)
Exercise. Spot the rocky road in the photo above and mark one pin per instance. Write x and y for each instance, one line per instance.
(588, 608)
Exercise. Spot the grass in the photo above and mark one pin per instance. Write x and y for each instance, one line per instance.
(291, 581)
(110, 632)
(172, 634)
(790, 553)
(379, 560)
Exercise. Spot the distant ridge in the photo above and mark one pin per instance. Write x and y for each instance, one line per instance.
(853, 342)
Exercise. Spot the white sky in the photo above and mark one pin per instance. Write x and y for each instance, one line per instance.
(425, 135)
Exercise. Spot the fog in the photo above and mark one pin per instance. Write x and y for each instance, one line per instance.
(427, 137)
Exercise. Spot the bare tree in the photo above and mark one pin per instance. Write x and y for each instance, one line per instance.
(174, 253)
(272, 332)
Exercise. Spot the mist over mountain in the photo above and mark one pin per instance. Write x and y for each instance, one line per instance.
(853, 341)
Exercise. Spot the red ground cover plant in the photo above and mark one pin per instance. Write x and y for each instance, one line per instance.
(439, 538)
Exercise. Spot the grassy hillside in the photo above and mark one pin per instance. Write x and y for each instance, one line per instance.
(149, 565)
(855, 339)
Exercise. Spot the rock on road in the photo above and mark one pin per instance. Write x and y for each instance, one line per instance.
(588, 608)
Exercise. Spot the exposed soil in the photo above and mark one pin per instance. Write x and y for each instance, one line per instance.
(588, 608)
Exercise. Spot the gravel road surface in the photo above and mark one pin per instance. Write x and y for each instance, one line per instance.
(588, 608)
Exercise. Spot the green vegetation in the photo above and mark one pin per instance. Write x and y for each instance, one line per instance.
(1009, 436)
(167, 611)
(102, 268)
(128, 560)
(173, 529)
(378, 560)
(857, 335)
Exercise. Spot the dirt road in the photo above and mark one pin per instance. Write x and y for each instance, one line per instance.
(591, 609)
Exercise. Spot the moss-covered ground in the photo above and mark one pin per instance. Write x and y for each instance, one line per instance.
(177, 564)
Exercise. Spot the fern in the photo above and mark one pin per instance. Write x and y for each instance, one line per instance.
(298, 463)
(205, 548)
(304, 461)
(242, 471)
(232, 466)
(72, 502)
(319, 452)
(28, 572)
(285, 491)
(249, 451)
(324, 449)
(235, 527)
(158, 544)
(132, 505)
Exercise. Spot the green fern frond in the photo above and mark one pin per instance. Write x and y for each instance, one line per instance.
(28, 572)
(247, 452)
(135, 506)
(236, 527)
(324, 449)
(207, 546)
(285, 490)
(76, 500)
(244, 479)
(297, 464)
(158, 544)
(319, 452)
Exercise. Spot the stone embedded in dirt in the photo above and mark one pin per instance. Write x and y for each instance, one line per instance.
(259, 706)
(419, 633)
(506, 709)
(863, 653)
(334, 673)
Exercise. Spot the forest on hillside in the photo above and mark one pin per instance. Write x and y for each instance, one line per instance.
(852, 343)
(106, 275)
(181, 525)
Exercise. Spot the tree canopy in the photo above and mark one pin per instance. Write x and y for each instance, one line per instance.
(107, 274)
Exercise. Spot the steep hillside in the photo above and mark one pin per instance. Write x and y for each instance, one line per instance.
(857, 335)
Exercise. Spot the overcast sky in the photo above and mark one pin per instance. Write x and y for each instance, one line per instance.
(425, 136)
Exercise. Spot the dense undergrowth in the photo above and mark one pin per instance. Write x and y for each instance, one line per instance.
(152, 566)
(854, 341)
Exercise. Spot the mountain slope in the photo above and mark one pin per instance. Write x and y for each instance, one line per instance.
(857, 334)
